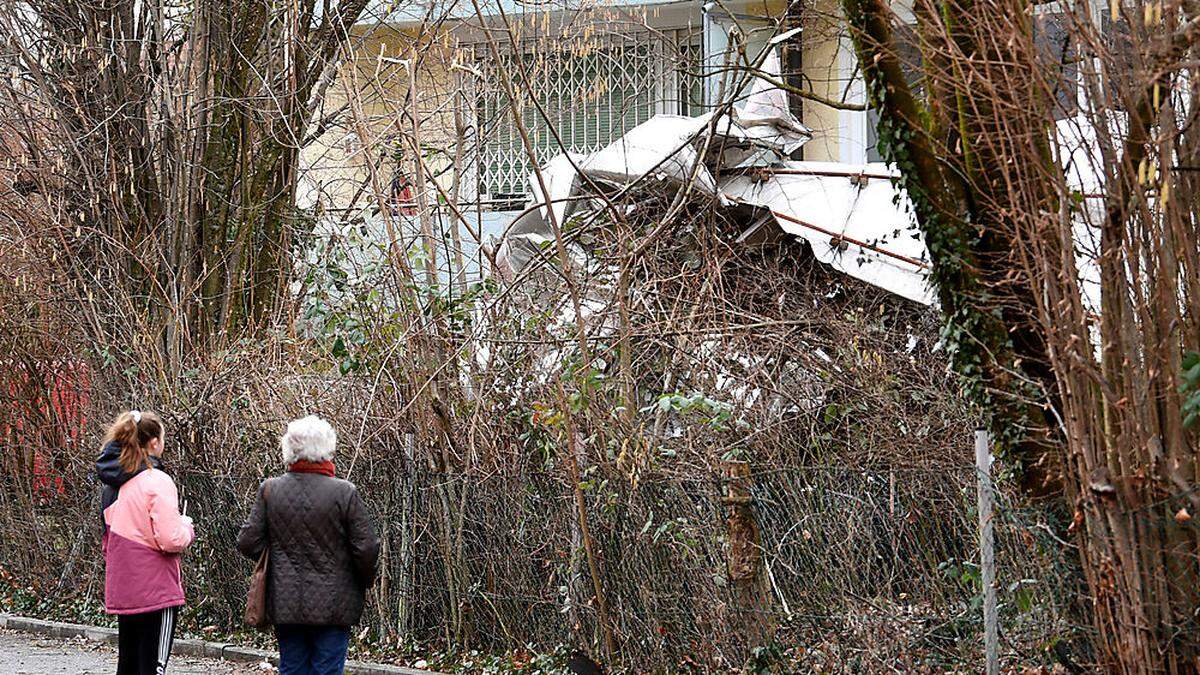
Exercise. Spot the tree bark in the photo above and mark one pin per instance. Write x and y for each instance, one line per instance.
(992, 204)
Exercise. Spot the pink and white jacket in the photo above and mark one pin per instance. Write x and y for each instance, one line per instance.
(143, 539)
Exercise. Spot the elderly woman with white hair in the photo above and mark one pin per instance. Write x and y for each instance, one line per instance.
(323, 551)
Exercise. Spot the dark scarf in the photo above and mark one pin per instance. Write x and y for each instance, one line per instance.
(304, 466)
(112, 476)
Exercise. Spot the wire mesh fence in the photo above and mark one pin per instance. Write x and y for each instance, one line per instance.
(854, 569)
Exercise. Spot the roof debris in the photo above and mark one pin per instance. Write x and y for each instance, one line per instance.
(855, 218)
(855, 221)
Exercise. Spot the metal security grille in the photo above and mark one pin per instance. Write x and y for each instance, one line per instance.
(585, 94)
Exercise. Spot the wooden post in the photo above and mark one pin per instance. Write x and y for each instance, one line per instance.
(987, 555)
(745, 554)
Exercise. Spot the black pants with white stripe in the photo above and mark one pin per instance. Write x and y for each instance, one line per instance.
(144, 642)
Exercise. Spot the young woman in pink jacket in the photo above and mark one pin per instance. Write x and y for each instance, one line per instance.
(144, 535)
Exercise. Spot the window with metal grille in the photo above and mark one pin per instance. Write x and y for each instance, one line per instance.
(583, 95)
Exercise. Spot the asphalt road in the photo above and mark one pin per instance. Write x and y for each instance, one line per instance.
(24, 654)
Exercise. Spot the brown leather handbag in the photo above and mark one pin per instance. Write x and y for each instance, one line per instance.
(256, 596)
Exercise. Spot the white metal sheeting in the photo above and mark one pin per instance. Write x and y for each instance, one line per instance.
(854, 219)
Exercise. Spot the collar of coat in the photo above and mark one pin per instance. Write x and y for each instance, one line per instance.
(303, 466)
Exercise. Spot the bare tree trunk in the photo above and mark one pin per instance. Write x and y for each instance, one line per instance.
(407, 486)
(574, 452)
(186, 140)
(1001, 229)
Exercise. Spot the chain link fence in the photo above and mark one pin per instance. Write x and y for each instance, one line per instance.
(853, 569)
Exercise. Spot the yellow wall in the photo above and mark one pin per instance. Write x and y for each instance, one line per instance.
(822, 29)
(375, 88)
(370, 100)
(820, 40)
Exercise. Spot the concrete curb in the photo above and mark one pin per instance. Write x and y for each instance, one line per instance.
(183, 646)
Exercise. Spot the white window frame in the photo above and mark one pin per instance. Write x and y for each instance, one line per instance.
(852, 124)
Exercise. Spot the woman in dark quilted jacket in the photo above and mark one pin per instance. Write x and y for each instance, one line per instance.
(323, 551)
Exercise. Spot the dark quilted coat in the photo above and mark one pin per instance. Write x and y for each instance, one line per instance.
(323, 549)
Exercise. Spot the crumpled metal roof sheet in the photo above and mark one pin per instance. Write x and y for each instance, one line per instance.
(854, 218)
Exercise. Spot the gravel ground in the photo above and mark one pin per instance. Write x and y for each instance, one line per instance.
(24, 654)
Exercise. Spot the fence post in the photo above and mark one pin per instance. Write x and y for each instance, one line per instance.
(745, 563)
(987, 554)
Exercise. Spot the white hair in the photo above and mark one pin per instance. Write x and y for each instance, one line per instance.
(311, 439)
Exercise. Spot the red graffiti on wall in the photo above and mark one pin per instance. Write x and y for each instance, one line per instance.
(44, 420)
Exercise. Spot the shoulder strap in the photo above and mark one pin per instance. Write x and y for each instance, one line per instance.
(266, 507)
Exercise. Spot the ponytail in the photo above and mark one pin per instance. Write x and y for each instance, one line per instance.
(132, 432)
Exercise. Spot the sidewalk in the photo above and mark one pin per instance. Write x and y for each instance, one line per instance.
(183, 647)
